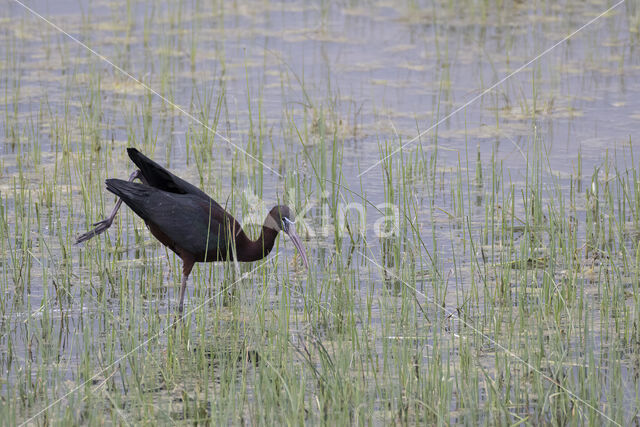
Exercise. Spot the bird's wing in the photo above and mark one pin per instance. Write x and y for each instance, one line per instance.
(188, 221)
(159, 177)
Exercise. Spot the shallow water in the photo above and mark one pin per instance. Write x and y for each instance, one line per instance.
(317, 95)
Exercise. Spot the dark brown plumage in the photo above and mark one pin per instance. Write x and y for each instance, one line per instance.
(189, 222)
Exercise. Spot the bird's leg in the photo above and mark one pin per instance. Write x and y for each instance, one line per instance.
(102, 226)
(186, 270)
(182, 292)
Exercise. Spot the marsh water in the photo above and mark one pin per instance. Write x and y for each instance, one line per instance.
(465, 177)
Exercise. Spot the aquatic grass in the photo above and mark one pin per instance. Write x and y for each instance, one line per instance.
(541, 261)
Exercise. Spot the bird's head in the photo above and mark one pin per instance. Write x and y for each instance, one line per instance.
(282, 218)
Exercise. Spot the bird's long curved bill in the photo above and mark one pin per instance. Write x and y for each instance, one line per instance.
(298, 244)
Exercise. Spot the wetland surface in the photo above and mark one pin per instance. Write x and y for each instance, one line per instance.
(467, 182)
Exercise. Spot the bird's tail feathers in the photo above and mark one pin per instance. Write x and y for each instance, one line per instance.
(127, 190)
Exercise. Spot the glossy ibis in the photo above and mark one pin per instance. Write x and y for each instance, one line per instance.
(189, 222)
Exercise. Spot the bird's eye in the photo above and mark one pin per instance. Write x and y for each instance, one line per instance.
(286, 222)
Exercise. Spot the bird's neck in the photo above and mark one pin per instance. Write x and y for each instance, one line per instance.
(253, 250)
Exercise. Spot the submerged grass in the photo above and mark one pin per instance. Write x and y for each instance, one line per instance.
(447, 285)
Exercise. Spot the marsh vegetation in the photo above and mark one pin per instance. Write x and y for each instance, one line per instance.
(472, 225)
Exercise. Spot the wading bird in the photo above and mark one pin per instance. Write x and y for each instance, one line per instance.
(189, 222)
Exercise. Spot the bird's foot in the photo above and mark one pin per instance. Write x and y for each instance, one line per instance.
(100, 227)
(179, 315)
